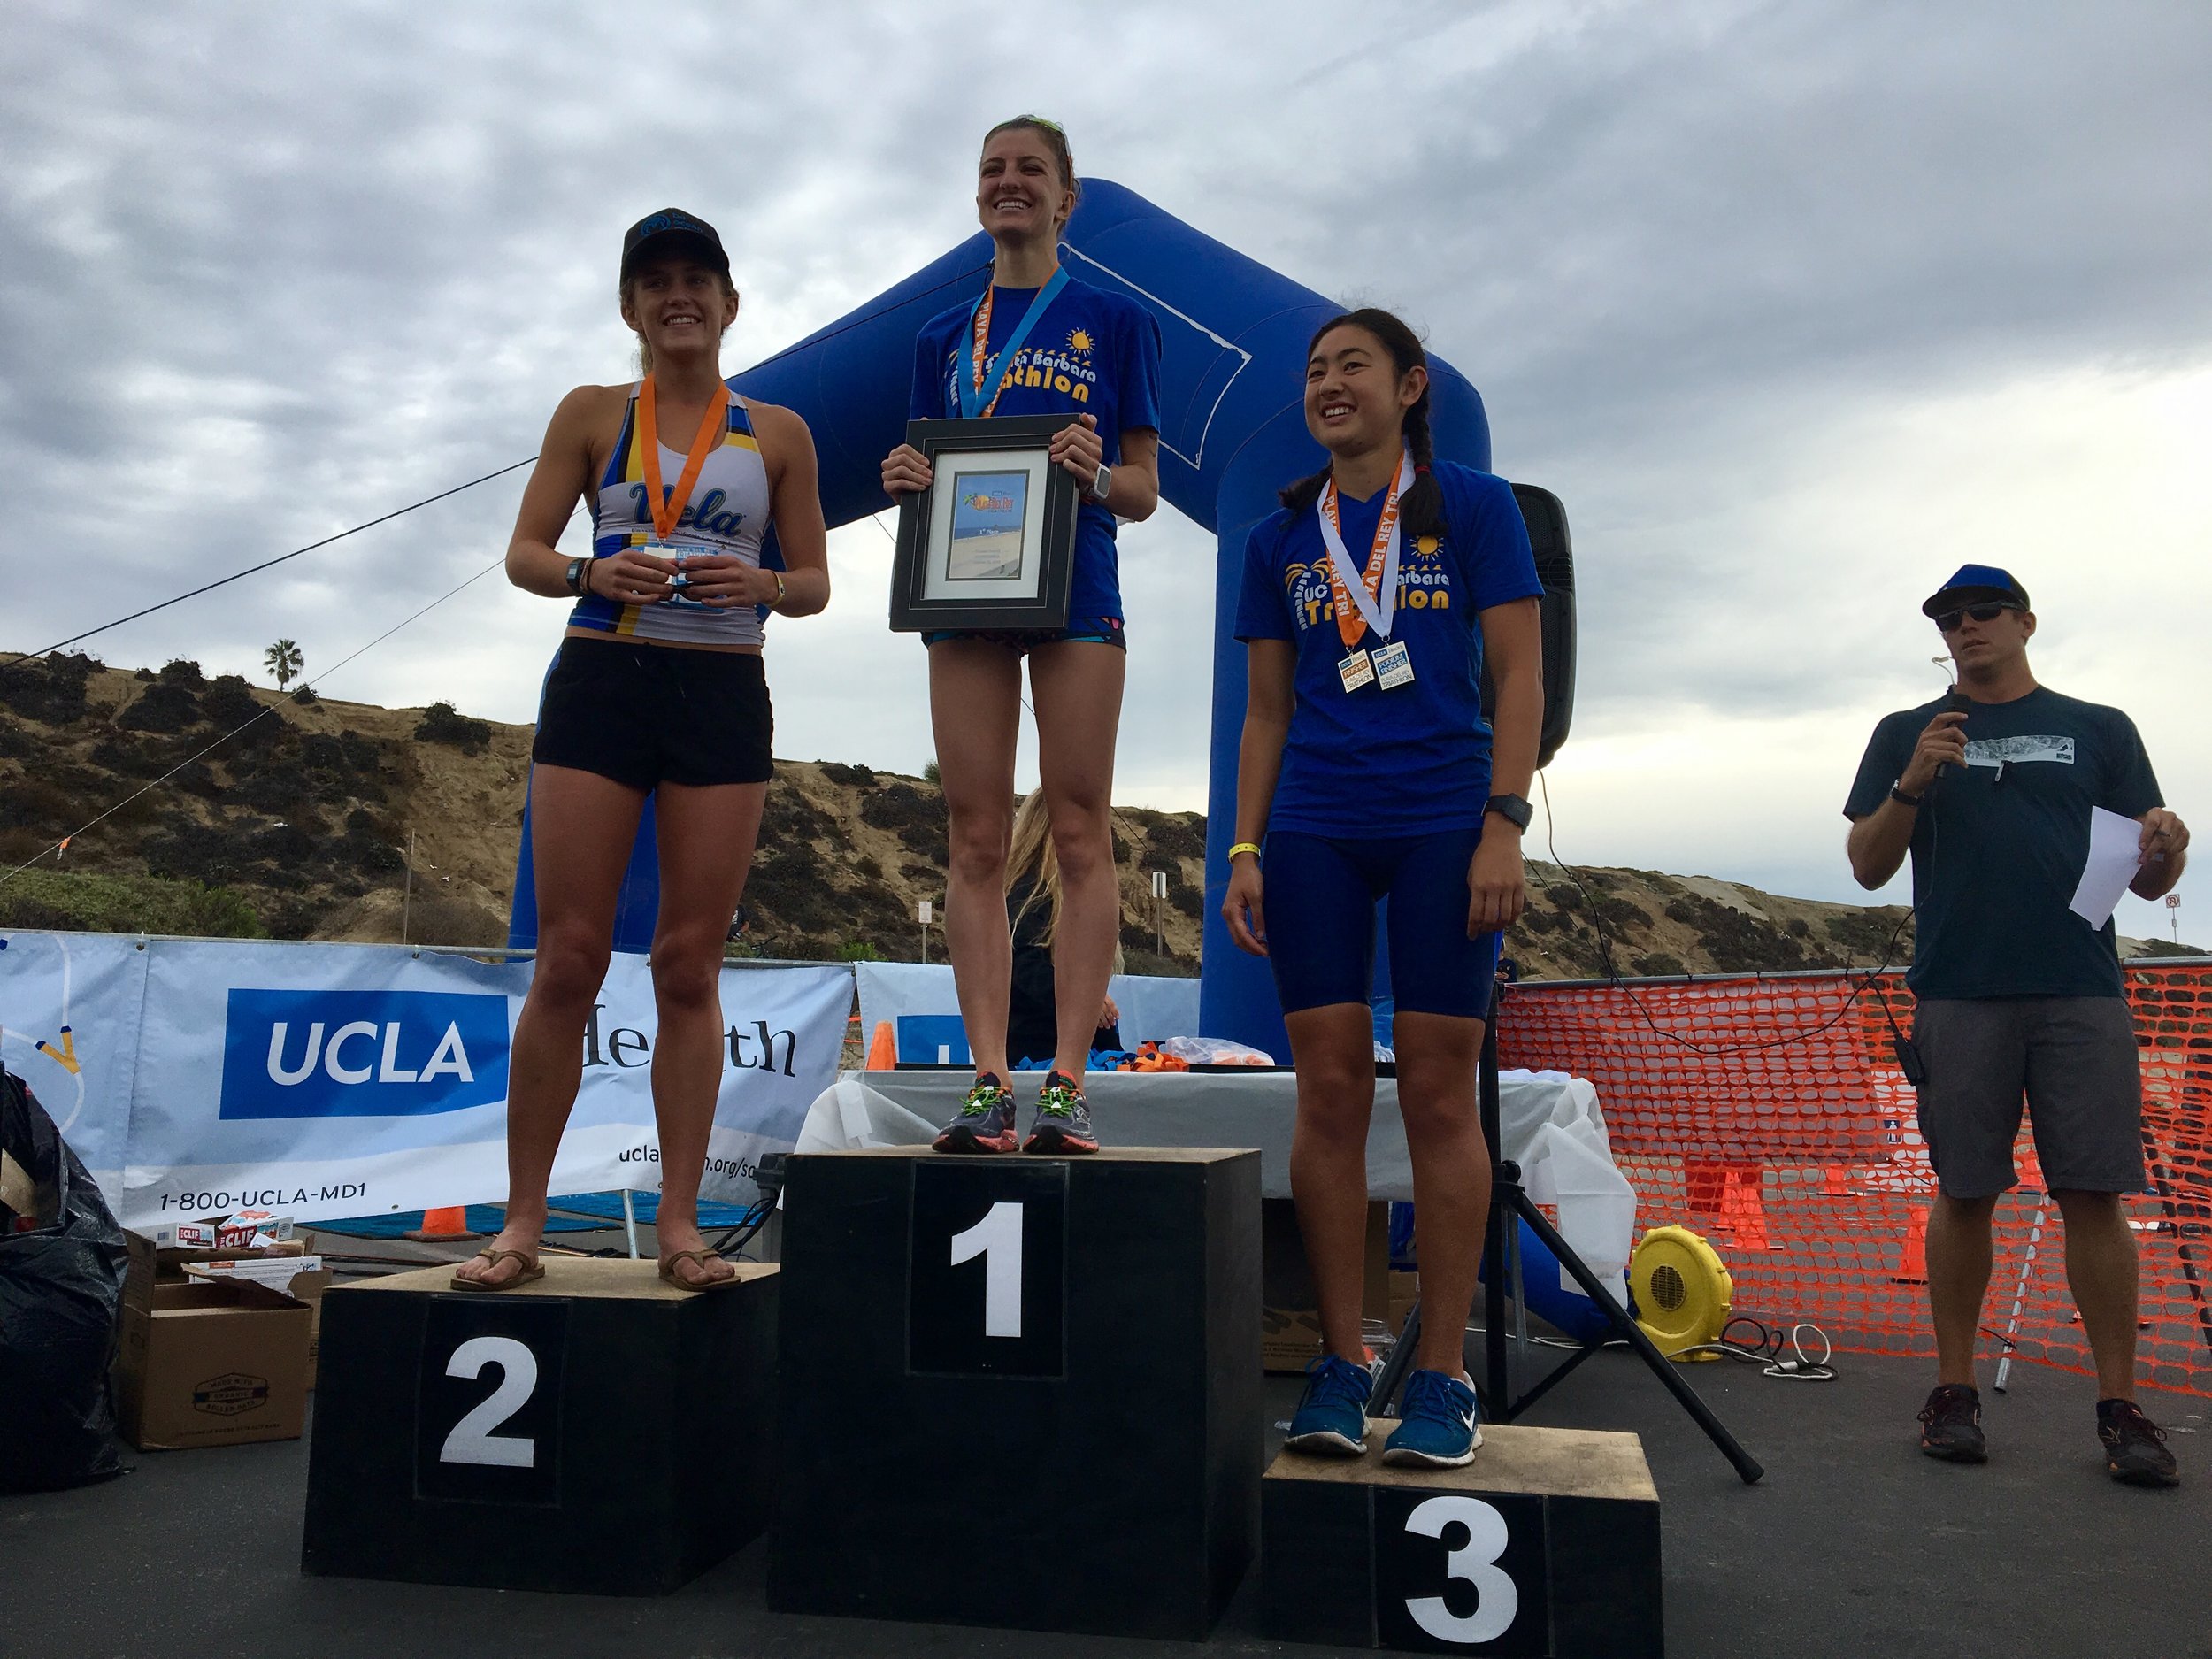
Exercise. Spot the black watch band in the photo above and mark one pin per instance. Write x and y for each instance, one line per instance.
(575, 577)
(1512, 807)
(1902, 799)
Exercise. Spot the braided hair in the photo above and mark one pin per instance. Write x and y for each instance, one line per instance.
(1422, 506)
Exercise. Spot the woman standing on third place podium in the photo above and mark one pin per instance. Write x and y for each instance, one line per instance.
(658, 690)
(1037, 342)
(1369, 601)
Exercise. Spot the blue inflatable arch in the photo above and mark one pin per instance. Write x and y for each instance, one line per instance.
(1233, 338)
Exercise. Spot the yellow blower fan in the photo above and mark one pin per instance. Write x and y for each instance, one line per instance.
(1682, 1290)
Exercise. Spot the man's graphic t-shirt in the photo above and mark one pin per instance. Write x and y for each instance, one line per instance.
(1997, 845)
(1413, 759)
(1091, 353)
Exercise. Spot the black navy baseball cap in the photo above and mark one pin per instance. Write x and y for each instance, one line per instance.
(1975, 585)
(671, 230)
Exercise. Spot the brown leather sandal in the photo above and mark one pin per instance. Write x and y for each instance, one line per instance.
(668, 1272)
(530, 1270)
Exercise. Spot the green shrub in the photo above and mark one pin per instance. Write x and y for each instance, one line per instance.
(441, 722)
(126, 904)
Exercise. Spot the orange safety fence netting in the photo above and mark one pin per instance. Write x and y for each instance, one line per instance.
(1801, 1163)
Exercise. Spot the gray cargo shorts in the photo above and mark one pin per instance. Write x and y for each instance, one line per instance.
(2072, 1058)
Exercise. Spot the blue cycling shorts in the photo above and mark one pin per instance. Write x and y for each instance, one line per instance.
(1321, 892)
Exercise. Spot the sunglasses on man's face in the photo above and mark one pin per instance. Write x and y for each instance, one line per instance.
(1948, 621)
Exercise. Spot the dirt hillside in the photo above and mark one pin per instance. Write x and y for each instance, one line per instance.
(299, 826)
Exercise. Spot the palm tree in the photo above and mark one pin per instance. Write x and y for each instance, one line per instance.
(283, 659)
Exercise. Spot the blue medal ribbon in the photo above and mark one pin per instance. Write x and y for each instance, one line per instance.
(978, 400)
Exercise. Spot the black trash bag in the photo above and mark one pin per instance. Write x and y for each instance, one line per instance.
(61, 1292)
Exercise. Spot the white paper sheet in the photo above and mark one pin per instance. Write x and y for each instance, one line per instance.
(2114, 858)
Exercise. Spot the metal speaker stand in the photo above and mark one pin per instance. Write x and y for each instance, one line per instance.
(1511, 1204)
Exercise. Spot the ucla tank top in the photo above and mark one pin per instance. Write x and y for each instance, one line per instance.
(727, 513)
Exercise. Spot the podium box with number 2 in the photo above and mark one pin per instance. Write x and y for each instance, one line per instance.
(1019, 1391)
(596, 1429)
(1546, 1547)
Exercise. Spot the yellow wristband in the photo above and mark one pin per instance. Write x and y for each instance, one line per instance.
(1244, 846)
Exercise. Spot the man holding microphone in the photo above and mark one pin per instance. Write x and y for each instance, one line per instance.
(1991, 791)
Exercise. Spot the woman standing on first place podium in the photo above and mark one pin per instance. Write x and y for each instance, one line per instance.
(1369, 601)
(658, 690)
(1037, 342)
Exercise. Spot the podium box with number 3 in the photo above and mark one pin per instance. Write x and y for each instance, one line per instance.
(1546, 1547)
(1019, 1391)
(596, 1429)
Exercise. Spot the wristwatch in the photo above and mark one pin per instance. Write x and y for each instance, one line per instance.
(1898, 794)
(1103, 485)
(1512, 807)
(576, 576)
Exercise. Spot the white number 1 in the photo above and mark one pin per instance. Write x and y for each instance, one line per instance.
(1474, 1562)
(997, 1239)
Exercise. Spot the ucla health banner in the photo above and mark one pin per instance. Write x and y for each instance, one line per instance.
(205, 1076)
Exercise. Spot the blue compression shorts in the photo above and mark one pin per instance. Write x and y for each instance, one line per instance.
(1320, 908)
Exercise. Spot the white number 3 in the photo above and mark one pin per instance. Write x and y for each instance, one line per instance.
(471, 1440)
(1474, 1562)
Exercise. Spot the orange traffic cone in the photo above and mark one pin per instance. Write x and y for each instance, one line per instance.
(1743, 1212)
(1913, 1268)
(883, 1052)
(448, 1225)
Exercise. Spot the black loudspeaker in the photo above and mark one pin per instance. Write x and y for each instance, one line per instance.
(596, 1430)
(1019, 1391)
(1547, 539)
(1546, 1547)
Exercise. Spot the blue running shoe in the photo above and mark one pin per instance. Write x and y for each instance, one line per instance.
(1439, 1423)
(1331, 1414)
(1063, 1123)
(984, 1122)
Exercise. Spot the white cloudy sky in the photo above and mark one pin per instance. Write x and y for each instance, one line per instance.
(1797, 306)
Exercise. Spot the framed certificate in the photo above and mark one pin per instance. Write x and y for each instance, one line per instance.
(991, 542)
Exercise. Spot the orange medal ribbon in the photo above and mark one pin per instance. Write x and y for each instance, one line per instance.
(1349, 623)
(668, 507)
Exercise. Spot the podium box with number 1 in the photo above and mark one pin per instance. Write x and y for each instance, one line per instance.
(1019, 1391)
(596, 1429)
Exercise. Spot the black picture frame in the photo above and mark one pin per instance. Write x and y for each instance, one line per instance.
(993, 581)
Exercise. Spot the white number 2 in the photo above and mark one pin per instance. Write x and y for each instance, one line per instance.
(471, 1440)
(997, 1239)
(1474, 1562)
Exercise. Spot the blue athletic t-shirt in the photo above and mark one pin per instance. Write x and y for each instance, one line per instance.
(1415, 758)
(1091, 353)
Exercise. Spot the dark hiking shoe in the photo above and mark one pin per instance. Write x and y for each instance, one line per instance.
(1063, 1123)
(984, 1122)
(1951, 1425)
(2134, 1447)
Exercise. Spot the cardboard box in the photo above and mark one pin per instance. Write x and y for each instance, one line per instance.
(302, 1277)
(155, 1263)
(1290, 1324)
(1405, 1290)
(211, 1364)
(21, 1201)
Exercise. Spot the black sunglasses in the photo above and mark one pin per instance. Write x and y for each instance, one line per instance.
(1948, 621)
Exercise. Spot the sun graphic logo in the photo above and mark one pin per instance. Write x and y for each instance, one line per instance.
(1080, 340)
(1428, 548)
(1294, 574)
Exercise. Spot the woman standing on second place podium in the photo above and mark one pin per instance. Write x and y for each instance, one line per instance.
(1037, 342)
(658, 690)
(1370, 603)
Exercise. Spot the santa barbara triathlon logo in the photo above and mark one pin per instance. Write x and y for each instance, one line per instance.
(1424, 584)
(1067, 368)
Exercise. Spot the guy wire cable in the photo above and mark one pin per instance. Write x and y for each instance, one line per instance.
(266, 709)
(1613, 978)
(25, 656)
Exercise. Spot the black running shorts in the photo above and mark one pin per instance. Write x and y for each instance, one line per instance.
(650, 714)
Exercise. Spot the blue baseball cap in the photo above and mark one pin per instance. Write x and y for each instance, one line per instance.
(1975, 585)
